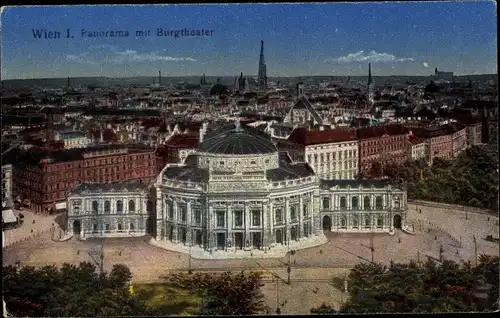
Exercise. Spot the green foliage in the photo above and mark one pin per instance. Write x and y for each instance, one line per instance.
(471, 179)
(426, 287)
(224, 294)
(69, 291)
(323, 310)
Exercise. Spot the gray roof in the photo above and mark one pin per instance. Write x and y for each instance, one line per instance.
(186, 173)
(303, 103)
(127, 186)
(288, 170)
(241, 140)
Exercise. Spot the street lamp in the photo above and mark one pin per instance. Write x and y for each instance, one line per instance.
(190, 246)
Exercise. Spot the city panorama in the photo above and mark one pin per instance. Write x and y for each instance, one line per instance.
(249, 159)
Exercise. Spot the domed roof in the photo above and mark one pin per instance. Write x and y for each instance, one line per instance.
(237, 140)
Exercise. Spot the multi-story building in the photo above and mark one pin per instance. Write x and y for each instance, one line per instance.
(43, 177)
(332, 154)
(416, 148)
(119, 209)
(7, 201)
(237, 195)
(73, 139)
(445, 141)
(458, 138)
(473, 130)
(380, 146)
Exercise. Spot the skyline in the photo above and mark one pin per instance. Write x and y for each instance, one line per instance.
(337, 39)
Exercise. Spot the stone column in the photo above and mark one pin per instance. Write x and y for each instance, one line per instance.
(270, 223)
(209, 227)
(264, 225)
(247, 227)
(229, 226)
(301, 218)
(160, 216)
(287, 219)
(175, 239)
(188, 224)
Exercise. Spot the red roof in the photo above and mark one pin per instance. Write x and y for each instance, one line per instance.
(309, 137)
(414, 140)
(379, 131)
(182, 141)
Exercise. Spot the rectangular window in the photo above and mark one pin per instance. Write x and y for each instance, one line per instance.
(197, 216)
(305, 210)
(238, 218)
(293, 213)
(255, 217)
(170, 209)
(182, 210)
(220, 218)
(278, 215)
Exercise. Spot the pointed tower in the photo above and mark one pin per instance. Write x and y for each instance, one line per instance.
(159, 78)
(370, 85)
(262, 76)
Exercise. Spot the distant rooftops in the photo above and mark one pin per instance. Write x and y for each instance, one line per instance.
(309, 137)
(122, 187)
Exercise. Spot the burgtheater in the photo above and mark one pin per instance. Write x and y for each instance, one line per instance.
(238, 197)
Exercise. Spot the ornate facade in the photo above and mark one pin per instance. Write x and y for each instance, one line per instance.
(108, 209)
(239, 193)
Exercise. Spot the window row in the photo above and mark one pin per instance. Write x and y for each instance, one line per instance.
(356, 224)
(355, 203)
(107, 206)
(107, 227)
(348, 154)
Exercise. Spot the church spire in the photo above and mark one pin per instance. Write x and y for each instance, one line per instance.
(370, 73)
(262, 76)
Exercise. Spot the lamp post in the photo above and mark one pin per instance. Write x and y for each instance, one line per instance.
(289, 269)
(278, 310)
(190, 271)
(475, 247)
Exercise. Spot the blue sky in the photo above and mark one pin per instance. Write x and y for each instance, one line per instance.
(299, 39)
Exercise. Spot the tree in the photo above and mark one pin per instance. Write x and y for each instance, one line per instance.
(224, 294)
(412, 287)
(69, 291)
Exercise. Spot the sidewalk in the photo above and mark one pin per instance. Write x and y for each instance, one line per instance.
(28, 229)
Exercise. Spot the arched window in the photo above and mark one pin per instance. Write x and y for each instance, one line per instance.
(326, 203)
(355, 223)
(354, 203)
(397, 203)
(367, 222)
(343, 223)
(378, 203)
(119, 227)
(131, 206)
(366, 203)
(150, 206)
(107, 206)
(343, 203)
(76, 207)
(380, 222)
(95, 206)
(119, 206)
(131, 226)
